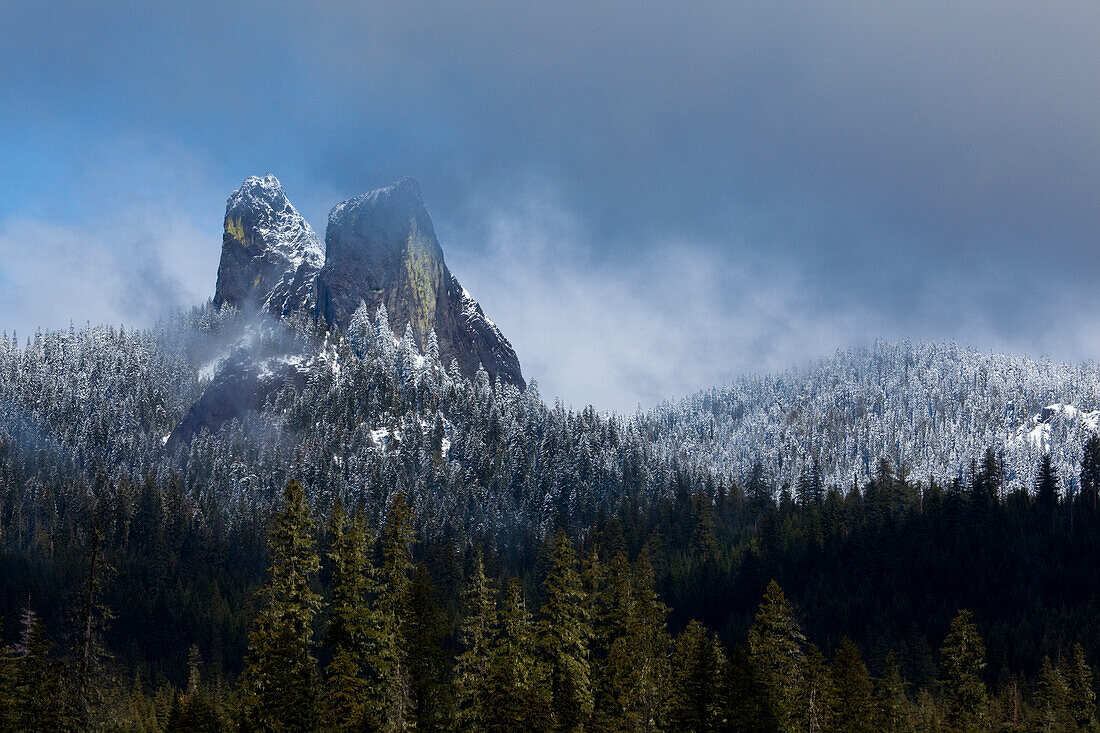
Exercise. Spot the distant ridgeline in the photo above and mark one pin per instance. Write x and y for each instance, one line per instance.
(931, 408)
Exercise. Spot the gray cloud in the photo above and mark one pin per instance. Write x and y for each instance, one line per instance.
(729, 186)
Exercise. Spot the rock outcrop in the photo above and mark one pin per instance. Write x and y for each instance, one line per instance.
(380, 248)
(270, 254)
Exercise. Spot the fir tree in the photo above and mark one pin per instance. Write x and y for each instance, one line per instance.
(694, 701)
(962, 690)
(346, 687)
(1081, 699)
(518, 696)
(424, 635)
(475, 634)
(281, 681)
(776, 648)
(1050, 699)
(564, 633)
(854, 690)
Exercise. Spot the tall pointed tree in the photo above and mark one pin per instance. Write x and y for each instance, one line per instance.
(475, 634)
(519, 697)
(1081, 699)
(776, 646)
(962, 690)
(346, 688)
(280, 681)
(563, 638)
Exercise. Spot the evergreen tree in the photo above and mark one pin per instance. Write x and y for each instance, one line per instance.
(346, 688)
(1090, 470)
(1050, 699)
(563, 638)
(281, 681)
(1081, 699)
(1046, 486)
(519, 697)
(695, 691)
(424, 635)
(962, 690)
(776, 648)
(392, 704)
(818, 694)
(475, 634)
(854, 690)
(42, 702)
(891, 702)
(633, 640)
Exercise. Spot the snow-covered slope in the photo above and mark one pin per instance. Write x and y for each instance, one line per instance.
(933, 407)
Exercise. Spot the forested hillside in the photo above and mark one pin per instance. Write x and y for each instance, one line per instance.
(929, 407)
(390, 543)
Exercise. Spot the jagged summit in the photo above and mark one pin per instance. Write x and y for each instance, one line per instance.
(270, 253)
(381, 248)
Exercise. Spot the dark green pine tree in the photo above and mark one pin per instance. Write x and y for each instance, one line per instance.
(345, 688)
(854, 706)
(962, 691)
(1051, 693)
(280, 681)
(1046, 487)
(1090, 470)
(818, 710)
(564, 633)
(7, 686)
(1081, 699)
(892, 708)
(197, 709)
(518, 698)
(633, 673)
(425, 632)
(42, 702)
(391, 704)
(477, 627)
(695, 700)
(776, 647)
(746, 698)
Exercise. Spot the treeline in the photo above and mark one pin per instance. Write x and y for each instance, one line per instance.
(349, 631)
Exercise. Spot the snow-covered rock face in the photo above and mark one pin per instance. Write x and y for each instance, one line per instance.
(1063, 421)
(381, 249)
(270, 254)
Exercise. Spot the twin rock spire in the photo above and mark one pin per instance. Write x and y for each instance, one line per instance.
(380, 248)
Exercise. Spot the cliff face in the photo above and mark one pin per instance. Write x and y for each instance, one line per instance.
(270, 254)
(380, 248)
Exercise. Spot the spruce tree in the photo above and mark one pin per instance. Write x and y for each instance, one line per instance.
(962, 690)
(1051, 693)
(854, 708)
(390, 692)
(42, 702)
(475, 634)
(280, 681)
(695, 692)
(1090, 470)
(345, 688)
(564, 634)
(776, 646)
(818, 694)
(425, 632)
(1081, 699)
(632, 679)
(892, 713)
(518, 696)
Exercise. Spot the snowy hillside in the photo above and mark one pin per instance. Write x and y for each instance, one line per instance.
(932, 407)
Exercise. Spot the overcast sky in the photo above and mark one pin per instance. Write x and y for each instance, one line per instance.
(648, 199)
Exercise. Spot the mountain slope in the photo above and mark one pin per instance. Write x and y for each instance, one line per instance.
(931, 407)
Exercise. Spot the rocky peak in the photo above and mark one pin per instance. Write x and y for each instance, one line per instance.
(270, 254)
(381, 249)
